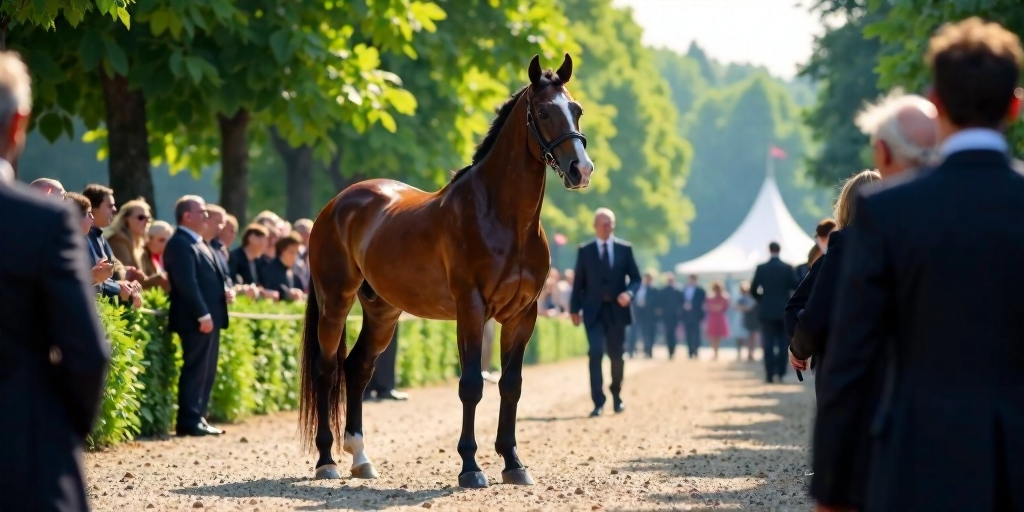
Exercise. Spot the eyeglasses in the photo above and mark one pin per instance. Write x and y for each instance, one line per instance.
(143, 217)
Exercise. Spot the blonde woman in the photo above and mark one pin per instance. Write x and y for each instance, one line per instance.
(127, 237)
(813, 322)
(153, 254)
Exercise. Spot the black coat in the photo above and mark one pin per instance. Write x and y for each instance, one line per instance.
(931, 285)
(197, 284)
(774, 282)
(593, 278)
(47, 307)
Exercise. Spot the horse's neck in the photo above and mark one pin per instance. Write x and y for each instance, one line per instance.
(512, 176)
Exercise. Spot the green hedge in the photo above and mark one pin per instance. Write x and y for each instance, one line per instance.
(258, 363)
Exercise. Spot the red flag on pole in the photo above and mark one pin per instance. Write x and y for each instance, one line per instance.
(778, 153)
(560, 239)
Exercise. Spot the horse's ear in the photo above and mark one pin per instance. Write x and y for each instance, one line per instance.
(565, 70)
(535, 70)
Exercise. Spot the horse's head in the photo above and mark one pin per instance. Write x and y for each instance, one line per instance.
(553, 119)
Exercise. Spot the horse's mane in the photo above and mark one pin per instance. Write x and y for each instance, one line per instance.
(547, 78)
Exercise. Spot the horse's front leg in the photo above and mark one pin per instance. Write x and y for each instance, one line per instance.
(470, 329)
(515, 334)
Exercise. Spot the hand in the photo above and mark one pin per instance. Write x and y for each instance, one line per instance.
(575, 319)
(271, 294)
(102, 271)
(136, 299)
(206, 325)
(798, 364)
(624, 299)
(229, 295)
(252, 291)
(295, 294)
(126, 290)
(134, 274)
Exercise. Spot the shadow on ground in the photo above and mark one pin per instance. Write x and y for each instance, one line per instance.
(764, 461)
(343, 495)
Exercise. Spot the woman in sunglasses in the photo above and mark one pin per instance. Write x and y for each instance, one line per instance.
(127, 237)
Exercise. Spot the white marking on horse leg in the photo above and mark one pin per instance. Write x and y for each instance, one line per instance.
(354, 445)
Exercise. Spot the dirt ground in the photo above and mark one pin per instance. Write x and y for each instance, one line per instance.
(696, 435)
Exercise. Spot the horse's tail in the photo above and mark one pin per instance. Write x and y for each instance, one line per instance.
(309, 371)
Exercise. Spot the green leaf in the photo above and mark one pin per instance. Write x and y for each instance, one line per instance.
(174, 23)
(403, 101)
(387, 121)
(279, 45)
(69, 127)
(159, 21)
(91, 50)
(116, 56)
(106, 6)
(176, 62)
(122, 14)
(50, 126)
(195, 68)
(45, 68)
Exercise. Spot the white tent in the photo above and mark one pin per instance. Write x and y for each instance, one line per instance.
(768, 221)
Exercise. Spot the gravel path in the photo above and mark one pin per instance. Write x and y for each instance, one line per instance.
(696, 435)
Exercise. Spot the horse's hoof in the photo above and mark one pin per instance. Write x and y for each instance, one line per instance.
(519, 476)
(365, 471)
(327, 472)
(473, 480)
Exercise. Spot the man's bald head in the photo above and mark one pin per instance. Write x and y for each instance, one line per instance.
(49, 187)
(904, 132)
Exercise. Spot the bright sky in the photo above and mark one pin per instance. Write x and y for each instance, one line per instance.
(777, 34)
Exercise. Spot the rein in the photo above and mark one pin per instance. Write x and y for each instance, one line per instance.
(546, 147)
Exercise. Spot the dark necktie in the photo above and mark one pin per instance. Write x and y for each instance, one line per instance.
(604, 255)
(606, 291)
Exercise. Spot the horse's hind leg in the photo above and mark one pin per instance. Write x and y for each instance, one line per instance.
(515, 334)
(379, 322)
(330, 377)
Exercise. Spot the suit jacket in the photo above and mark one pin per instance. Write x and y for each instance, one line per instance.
(239, 270)
(813, 322)
(593, 278)
(197, 284)
(696, 312)
(798, 300)
(668, 304)
(279, 278)
(101, 247)
(94, 251)
(931, 284)
(221, 252)
(53, 353)
(774, 282)
(645, 312)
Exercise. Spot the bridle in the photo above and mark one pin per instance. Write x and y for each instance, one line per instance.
(546, 147)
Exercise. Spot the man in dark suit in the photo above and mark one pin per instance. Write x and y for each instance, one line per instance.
(949, 431)
(774, 282)
(199, 310)
(692, 310)
(644, 303)
(607, 277)
(53, 352)
(668, 308)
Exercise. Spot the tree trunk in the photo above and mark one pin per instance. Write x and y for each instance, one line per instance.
(234, 163)
(298, 164)
(127, 140)
(333, 171)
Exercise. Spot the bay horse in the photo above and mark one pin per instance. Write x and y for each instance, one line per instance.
(473, 251)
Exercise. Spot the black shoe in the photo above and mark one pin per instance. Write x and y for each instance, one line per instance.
(619, 406)
(597, 411)
(213, 430)
(198, 430)
(392, 395)
(768, 379)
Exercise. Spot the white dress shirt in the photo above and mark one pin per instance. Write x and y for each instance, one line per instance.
(6, 171)
(974, 138)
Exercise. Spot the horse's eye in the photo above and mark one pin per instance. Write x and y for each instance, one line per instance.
(543, 114)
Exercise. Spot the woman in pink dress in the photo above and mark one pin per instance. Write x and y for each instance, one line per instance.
(717, 326)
